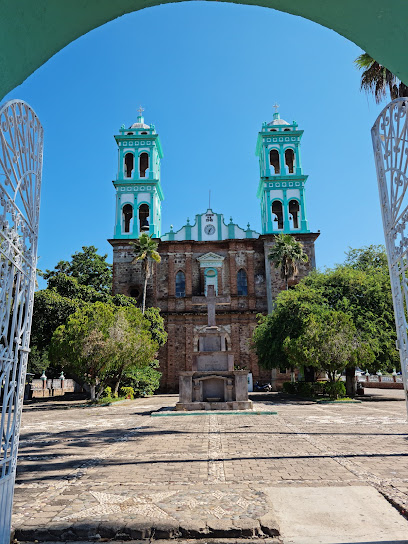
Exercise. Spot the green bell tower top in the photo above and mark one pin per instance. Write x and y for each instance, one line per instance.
(138, 189)
(281, 188)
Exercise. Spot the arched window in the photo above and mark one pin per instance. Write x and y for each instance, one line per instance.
(242, 283)
(143, 164)
(180, 284)
(274, 160)
(277, 211)
(286, 130)
(294, 213)
(289, 160)
(127, 214)
(129, 164)
(144, 213)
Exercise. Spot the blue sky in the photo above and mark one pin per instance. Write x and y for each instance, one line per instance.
(207, 74)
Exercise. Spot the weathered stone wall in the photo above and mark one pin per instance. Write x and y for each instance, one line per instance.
(182, 317)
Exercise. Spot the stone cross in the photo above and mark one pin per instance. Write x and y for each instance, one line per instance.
(211, 299)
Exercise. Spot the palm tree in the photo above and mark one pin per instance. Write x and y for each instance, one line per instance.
(146, 251)
(286, 254)
(376, 79)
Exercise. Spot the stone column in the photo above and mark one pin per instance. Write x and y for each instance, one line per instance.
(171, 283)
(233, 277)
(189, 277)
(251, 279)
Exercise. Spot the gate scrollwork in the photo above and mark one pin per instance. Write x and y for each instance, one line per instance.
(21, 150)
(390, 142)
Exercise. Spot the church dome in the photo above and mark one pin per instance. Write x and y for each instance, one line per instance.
(139, 124)
(276, 118)
(278, 122)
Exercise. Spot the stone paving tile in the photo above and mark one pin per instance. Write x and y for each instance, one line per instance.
(107, 465)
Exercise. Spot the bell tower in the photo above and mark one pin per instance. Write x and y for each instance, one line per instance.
(281, 188)
(138, 189)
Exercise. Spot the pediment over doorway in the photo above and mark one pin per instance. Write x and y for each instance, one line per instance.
(210, 260)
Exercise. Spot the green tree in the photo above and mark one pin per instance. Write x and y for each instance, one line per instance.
(88, 267)
(129, 345)
(361, 290)
(377, 79)
(329, 342)
(368, 258)
(99, 342)
(50, 311)
(286, 255)
(80, 346)
(156, 325)
(146, 251)
(64, 295)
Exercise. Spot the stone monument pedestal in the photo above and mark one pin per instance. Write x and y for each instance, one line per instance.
(214, 390)
(213, 384)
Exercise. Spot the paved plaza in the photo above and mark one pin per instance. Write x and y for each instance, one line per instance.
(128, 471)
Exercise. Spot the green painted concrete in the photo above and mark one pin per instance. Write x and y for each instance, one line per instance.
(32, 31)
(216, 412)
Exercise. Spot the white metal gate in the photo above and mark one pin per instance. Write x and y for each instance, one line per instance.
(390, 141)
(21, 150)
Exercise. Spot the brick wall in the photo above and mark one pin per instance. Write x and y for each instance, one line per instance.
(182, 317)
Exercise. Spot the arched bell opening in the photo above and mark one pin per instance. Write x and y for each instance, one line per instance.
(143, 164)
(127, 216)
(290, 160)
(277, 213)
(274, 160)
(129, 164)
(144, 213)
(294, 210)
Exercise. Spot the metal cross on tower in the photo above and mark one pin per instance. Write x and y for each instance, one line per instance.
(140, 110)
(276, 106)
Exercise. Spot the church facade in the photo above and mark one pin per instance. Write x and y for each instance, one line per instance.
(209, 250)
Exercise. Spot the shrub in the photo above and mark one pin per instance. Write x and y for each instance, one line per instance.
(306, 389)
(290, 388)
(335, 389)
(128, 392)
(144, 381)
(107, 393)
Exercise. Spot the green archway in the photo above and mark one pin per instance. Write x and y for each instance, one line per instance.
(32, 31)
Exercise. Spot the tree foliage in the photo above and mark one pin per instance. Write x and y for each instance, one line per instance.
(99, 342)
(66, 294)
(88, 267)
(377, 79)
(286, 254)
(329, 342)
(359, 290)
(145, 251)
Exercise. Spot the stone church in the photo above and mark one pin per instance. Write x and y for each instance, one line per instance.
(209, 250)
